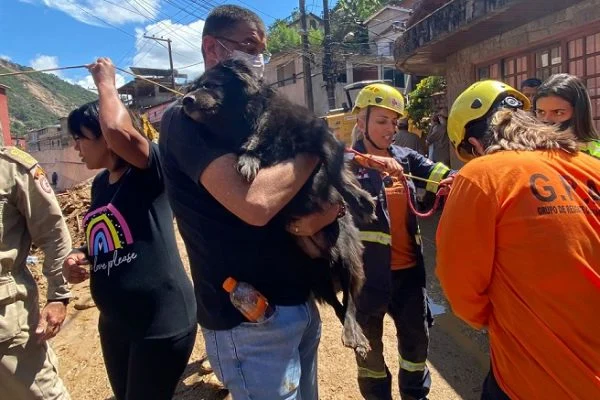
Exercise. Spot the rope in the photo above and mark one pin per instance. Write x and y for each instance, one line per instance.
(364, 159)
(85, 66)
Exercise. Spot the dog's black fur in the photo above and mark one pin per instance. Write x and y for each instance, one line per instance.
(263, 128)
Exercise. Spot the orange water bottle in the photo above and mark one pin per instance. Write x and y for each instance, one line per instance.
(249, 301)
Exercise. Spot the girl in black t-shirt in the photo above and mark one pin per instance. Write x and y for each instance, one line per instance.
(147, 321)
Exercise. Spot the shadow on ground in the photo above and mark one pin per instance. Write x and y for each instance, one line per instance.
(458, 352)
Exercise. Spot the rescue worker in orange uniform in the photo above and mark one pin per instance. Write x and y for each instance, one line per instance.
(518, 246)
(393, 257)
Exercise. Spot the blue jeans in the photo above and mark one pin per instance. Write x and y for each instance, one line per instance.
(274, 359)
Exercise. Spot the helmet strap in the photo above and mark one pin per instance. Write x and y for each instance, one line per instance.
(367, 130)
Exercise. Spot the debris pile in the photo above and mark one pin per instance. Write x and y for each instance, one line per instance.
(74, 203)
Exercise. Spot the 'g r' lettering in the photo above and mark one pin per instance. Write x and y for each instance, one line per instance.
(543, 193)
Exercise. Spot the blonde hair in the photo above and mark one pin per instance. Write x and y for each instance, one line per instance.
(519, 130)
(357, 133)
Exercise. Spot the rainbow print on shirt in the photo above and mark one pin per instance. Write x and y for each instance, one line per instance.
(106, 230)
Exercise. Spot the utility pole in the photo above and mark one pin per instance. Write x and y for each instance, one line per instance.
(328, 74)
(170, 56)
(308, 92)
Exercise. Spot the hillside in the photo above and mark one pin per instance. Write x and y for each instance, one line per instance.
(37, 100)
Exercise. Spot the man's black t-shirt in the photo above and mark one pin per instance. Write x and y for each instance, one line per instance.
(218, 243)
(137, 279)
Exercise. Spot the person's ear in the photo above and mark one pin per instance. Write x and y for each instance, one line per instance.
(477, 146)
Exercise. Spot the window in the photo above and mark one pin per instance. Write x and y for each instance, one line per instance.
(491, 71)
(583, 56)
(365, 72)
(515, 71)
(385, 48)
(313, 24)
(394, 75)
(548, 62)
(286, 73)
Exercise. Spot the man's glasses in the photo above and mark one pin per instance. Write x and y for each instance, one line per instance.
(246, 47)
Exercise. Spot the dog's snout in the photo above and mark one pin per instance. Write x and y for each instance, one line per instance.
(188, 100)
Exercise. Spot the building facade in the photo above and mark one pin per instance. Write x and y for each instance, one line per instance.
(5, 138)
(53, 148)
(508, 40)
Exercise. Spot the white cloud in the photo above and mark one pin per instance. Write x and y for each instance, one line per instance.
(186, 47)
(5, 57)
(88, 82)
(115, 12)
(42, 61)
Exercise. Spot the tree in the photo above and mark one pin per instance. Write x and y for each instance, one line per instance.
(420, 102)
(347, 17)
(283, 37)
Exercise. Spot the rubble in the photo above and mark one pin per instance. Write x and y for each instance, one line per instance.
(74, 203)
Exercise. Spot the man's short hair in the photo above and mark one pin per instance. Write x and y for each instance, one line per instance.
(531, 82)
(223, 19)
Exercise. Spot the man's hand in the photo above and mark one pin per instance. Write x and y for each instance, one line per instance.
(51, 320)
(446, 185)
(313, 223)
(103, 72)
(76, 267)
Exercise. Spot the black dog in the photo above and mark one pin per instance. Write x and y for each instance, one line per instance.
(264, 128)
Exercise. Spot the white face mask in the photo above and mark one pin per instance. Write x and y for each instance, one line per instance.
(256, 63)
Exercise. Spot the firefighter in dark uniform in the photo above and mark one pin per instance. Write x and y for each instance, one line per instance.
(393, 258)
(29, 212)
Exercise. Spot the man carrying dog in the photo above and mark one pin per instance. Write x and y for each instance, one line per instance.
(225, 223)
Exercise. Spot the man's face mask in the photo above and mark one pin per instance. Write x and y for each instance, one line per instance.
(257, 62)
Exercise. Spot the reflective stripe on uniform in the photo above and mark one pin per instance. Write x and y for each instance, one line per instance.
(376, 237)
(437, 174)
(367, 373)
(411, 366)
(592, 148)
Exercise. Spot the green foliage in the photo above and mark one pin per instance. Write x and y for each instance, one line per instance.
(283, 37)
(420, 103)
(27, 111)
(347, 17)
(315, 37)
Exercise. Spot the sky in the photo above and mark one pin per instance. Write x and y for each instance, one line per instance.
(58, 33)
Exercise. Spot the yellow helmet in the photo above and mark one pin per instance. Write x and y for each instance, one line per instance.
(474, 104)
(380, 95)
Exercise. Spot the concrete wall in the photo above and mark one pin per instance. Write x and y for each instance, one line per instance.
(67, 164)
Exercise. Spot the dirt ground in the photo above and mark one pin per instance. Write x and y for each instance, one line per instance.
(458, 355)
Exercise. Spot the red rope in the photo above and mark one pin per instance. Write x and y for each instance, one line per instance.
(364, 159)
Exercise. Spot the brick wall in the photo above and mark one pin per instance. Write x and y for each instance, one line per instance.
(461, 65)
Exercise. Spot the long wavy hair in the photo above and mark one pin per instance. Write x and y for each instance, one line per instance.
(519, 130)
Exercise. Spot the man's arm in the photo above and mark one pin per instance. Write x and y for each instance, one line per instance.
(256, 202)
(47, 227)
(465, 251)
(115, 121)
(185, 146)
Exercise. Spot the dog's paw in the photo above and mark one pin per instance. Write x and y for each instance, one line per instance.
(248, 166)
(354, 338)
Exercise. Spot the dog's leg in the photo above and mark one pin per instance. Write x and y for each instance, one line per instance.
(352, 335)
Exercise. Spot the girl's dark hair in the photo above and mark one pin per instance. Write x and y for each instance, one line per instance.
(571, 89)
(86, 116)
